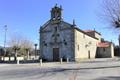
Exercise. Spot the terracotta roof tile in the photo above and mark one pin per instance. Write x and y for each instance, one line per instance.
(103, 44)
(88, 30)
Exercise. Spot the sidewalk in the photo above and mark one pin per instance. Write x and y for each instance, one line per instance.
(3, 65)
(56, 64)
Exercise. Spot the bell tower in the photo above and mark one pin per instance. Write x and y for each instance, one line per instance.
(56, 13)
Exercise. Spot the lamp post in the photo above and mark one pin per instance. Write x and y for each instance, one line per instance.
(5, 27)
(35, 50)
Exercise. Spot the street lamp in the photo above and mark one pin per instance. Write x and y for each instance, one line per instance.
(5, 27)
(35, 50)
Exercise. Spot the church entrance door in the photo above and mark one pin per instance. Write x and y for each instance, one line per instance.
(55, 54)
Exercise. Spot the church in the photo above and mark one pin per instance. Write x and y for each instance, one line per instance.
(60, 39)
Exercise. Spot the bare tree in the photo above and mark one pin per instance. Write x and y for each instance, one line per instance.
(26, 46)
(20, 45)
(111, 12)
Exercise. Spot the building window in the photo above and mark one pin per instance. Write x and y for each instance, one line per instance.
(90, 43)
(53, 35)
(45, 44)
(65, 42)
(78, 47)
(86, 45)
(58, 35)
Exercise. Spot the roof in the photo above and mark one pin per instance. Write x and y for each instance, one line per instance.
(85, 33)
(74, 27)
(88, 31)
(103, 44)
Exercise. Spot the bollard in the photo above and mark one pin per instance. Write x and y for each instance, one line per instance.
(67, 60)
(61, 60)
(18, 62)
(40, 62)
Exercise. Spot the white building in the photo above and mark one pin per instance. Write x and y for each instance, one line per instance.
(59, 39)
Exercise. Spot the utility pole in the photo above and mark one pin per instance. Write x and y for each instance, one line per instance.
(5, 28)
(35, 50)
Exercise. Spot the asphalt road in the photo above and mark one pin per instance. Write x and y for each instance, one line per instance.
(99, 69)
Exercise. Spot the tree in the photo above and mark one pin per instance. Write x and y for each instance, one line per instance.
(26, 46)
(20, 45)
(111, 12)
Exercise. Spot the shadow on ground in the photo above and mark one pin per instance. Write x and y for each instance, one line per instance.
(91, 68)
(109, 78)
(74, 69)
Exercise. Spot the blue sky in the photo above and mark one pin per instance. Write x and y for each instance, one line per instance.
(24, 17)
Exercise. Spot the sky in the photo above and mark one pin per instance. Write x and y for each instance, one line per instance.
(24, 17)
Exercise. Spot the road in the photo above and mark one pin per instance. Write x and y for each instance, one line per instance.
(98, 69)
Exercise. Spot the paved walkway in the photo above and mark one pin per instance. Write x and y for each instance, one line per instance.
(95, 69)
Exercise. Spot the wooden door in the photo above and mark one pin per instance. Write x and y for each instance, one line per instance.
(55, 54)
(88, 54)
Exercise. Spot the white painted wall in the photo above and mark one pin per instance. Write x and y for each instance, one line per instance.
(85, 43)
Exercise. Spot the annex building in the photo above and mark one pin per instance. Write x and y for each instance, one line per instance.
(60, 39)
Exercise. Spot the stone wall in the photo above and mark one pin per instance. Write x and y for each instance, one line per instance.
(64, 41)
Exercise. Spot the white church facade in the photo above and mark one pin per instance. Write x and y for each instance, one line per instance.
(59, 39)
